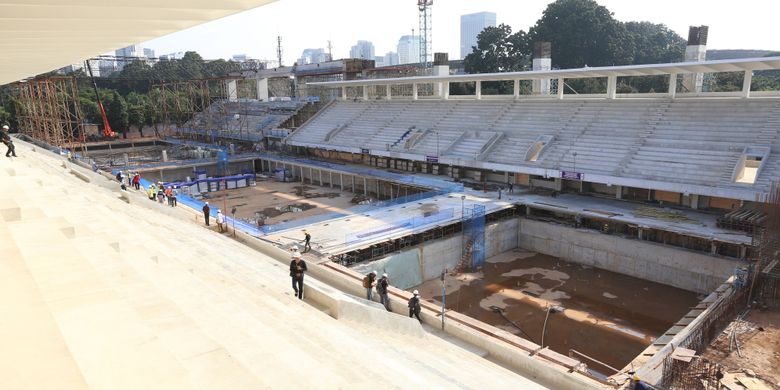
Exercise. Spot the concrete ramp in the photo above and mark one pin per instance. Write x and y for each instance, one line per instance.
(347, 307)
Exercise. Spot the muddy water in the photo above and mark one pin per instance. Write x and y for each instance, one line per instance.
(608, 316)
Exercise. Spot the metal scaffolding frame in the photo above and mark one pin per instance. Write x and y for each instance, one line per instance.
(48, 110)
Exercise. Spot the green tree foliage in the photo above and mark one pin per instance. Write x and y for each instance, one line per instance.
(116, 109)
(499, 50)
(655, 43)
(582, 32)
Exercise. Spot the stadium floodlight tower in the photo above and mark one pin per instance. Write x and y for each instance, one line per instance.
(424, 7)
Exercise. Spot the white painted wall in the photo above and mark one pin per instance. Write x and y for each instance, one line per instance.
(659, 263)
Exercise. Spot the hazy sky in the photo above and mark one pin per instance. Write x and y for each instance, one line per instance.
(745, 24)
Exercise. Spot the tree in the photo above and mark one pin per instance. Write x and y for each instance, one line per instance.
(191, 66)
(655, 43)
(117, 113)
(135, 77)
(499, 50)
(136, 116)
(583, 33)
(220, 67)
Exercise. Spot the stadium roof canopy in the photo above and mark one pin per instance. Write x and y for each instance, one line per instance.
(733, 65)
(37, 36)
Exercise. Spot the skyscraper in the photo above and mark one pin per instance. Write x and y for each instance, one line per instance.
(409, 49)
(470, 26)
(313, 56)
(363, 49)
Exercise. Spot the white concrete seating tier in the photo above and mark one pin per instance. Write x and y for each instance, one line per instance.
(98, 293)
(690, 140)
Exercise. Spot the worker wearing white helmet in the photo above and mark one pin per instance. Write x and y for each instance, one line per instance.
(414, 306)
(8, 141)
(381, 288)
(297, 269)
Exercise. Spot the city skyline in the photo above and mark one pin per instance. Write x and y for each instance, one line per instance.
(740, 28)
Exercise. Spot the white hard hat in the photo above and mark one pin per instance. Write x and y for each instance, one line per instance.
(295, 248)
(415, 292)
(384, 275)
(296, 255)
(5, 127)
(207, 202)
(373, 272)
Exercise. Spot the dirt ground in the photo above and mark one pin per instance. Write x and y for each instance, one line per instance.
(759, 341)
(606, 315)
(280, 202)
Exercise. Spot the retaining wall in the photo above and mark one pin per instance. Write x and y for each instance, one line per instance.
(659, 263)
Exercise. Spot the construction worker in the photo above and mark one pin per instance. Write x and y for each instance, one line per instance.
(137, 181)
(414, 306)
(640, 384)
(220, 220)
(297, 269)
(174, 195)
(151, 193)
(169, 195)
(8, 141)
(368, 283)
(381, 288)
(307, 240)
(206, 211)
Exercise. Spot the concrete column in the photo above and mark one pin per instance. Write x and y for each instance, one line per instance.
(365, 186)
(388, 92)
(742, 252)
(446, 92)
(353, 183)
(232, 90)
(746, 83)
(479, 90)
(695, 201)
(365, 92)
(714, 248)
(330, 178)
(343, 93)
(618, 192)
(611, 87)
(321, 178)
(696, 51)
(341, 180)
(516, 88)
(414, 91)
(560, 87)
(303, 180)
(673, 85)
(262, 89)
(639, 233)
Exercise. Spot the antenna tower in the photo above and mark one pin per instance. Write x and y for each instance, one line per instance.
(279, 49)
(426, 29)
(330, 51)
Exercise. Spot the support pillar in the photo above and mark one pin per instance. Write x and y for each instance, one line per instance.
(714, 248)
(446, 92)
(321, 178)
(746, 83)
(673, 85)
(353, 184)
(330, 178)
(695, 201)
(388, 92)
(365, 187)
(561, 86)
(414, 91)
(365, 92)
(516, 89)
(343, 93)
(611, 87)
(479, 89)
(619, 192)
(341, 180)
(639, 233)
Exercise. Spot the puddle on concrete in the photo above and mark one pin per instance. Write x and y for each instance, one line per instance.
(608, 316)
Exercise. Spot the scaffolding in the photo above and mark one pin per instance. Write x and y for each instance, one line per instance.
(48, 110)
(765, 287)
(473, 243)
